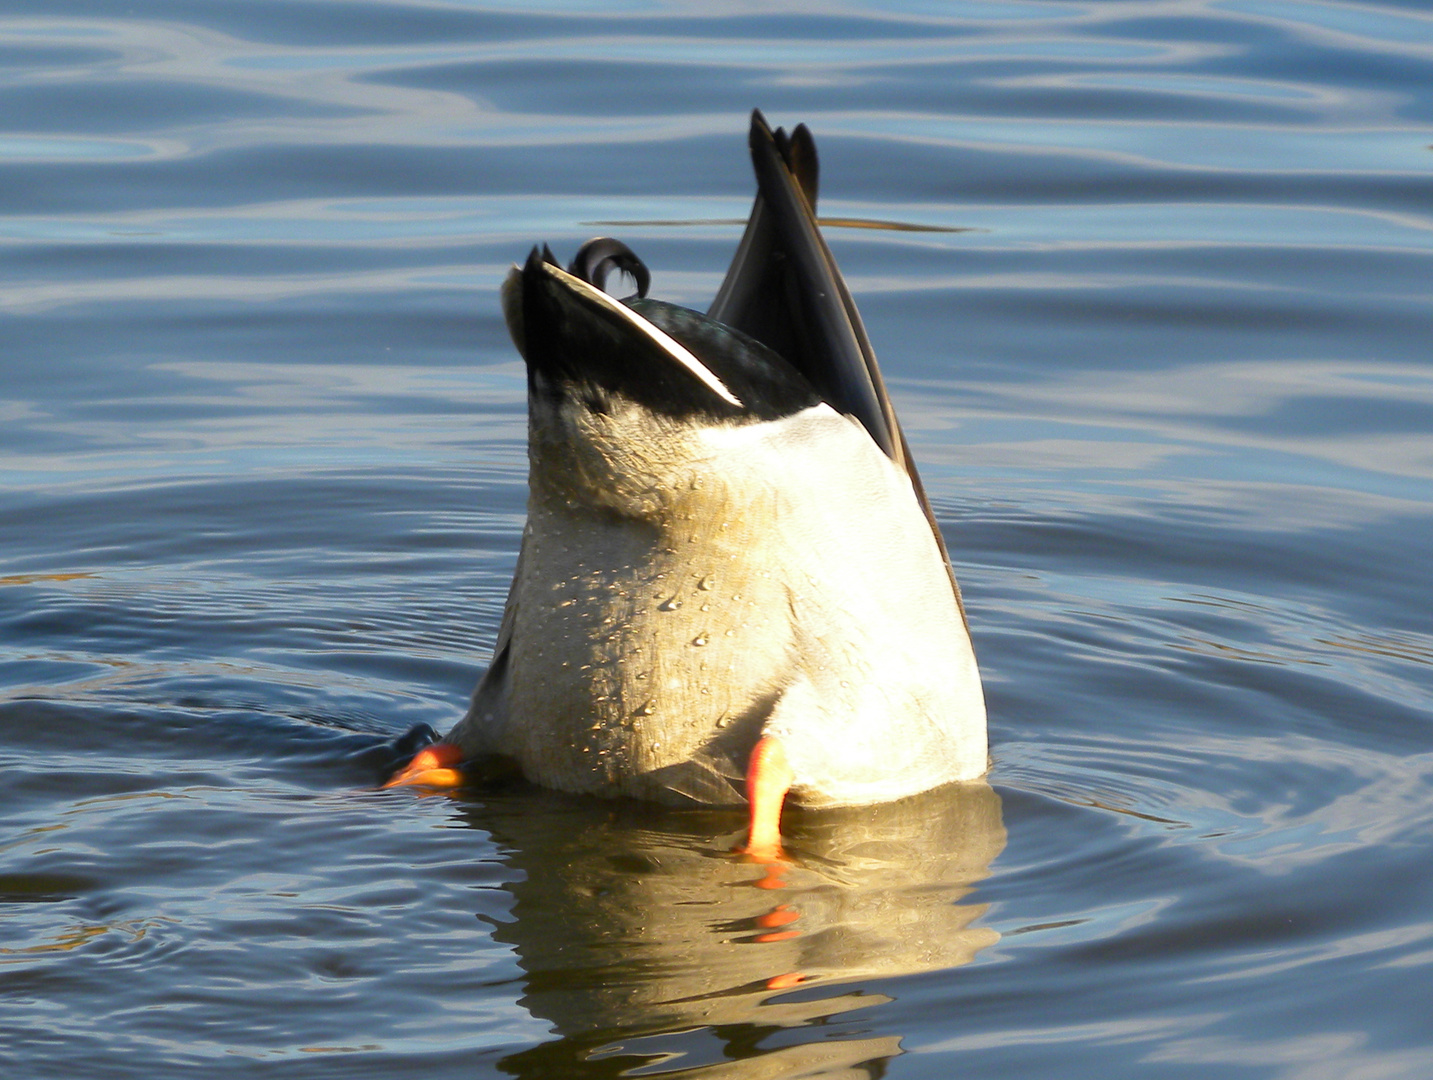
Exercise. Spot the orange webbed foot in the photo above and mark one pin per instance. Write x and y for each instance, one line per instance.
(433, 766)
(768, 778)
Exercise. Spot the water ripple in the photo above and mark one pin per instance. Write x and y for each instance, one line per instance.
(1164, 366)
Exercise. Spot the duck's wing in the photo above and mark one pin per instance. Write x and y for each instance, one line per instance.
(784, 289)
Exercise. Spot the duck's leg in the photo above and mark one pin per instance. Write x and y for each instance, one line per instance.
(433, 766)
(768, 778)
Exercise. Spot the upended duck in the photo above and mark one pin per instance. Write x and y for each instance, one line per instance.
(731, 587)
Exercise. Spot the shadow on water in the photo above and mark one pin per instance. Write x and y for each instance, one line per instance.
(650, 948)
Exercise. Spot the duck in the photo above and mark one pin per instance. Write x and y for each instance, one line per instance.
(731, 588)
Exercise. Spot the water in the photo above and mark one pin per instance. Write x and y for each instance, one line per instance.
(263, 484)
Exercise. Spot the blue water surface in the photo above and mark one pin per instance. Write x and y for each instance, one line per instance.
(1161, 346)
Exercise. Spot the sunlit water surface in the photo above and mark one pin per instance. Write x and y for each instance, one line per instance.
(262, 464)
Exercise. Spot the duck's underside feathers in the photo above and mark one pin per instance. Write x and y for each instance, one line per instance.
(715, 553)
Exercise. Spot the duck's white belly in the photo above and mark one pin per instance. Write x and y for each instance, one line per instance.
(636, 649)
(798, 592)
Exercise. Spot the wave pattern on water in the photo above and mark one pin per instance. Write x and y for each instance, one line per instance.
(1162, 355)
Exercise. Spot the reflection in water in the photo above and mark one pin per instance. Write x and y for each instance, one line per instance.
(649, 946)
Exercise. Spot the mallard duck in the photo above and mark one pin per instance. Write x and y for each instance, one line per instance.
(731, 587)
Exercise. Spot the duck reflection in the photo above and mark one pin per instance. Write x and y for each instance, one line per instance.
(650, 947)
